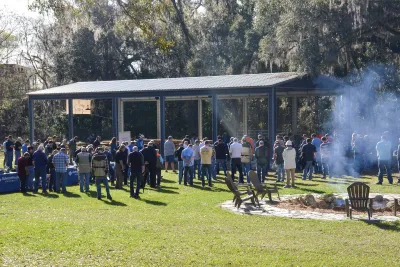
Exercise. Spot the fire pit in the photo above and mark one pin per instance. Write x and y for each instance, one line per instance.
(315, 206)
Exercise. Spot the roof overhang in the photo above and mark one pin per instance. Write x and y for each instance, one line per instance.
(286, 83)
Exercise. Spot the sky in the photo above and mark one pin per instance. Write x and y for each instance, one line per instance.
(20, 7)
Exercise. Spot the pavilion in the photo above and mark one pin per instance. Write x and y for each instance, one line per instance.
(242, 86)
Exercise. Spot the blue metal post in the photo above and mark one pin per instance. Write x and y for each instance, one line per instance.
(272, 114)
(70, 118)
(162, 124)
(214, 117)
(31, 120)
(115, 117)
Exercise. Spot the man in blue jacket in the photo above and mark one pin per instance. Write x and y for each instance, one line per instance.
(40, 163)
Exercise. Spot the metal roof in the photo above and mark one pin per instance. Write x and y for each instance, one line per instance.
(173, 84)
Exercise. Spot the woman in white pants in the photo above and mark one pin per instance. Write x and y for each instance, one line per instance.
(289, 157)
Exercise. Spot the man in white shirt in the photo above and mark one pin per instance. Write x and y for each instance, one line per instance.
(235, 151)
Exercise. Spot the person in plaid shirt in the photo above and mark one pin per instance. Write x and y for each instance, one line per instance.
(60, 161)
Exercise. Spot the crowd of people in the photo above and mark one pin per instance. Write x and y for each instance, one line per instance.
(142, 163)
(313, 154)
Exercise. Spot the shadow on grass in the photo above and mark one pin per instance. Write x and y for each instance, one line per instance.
(163, 189)
(114, 203)
(91, 193)
(169, 187)
(28, 195)
(167, 181)
(71, 195)
(50, 195)
(120, 189)
(391, 226)
(153, 202)
(211, 189)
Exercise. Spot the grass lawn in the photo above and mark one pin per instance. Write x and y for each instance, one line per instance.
(179, 226)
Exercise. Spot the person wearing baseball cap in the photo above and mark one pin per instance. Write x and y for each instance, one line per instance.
(289, 157)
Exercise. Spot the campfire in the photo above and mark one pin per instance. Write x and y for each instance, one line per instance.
(331, 203)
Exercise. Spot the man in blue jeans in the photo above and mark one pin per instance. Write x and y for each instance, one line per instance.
(99, 171)
(308, 153)
(206, 153)
(325, 152)
(40, 163)
(136, 163)
(83, 160)
(384, 153)
(60, 161)
(178, 154)
(197, 160)
(9, 152)
(188, 160)
(221, 151)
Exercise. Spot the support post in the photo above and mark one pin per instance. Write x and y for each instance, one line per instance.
(158, 119)
(70, 118)
(200, 118)
(31, 120)
(162, 124)
(214, 117)
(294, 115)
(121, 123)
(272, 116)
(115, 117)
(245, 117)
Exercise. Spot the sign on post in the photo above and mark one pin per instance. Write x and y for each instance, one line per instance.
(124, 137)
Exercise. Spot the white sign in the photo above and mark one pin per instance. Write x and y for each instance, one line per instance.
(80, 107)
(124, 137)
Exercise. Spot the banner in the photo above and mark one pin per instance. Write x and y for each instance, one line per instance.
(9, 182)
(125, 137)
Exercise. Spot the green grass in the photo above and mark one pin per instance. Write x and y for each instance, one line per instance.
(179, 226)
